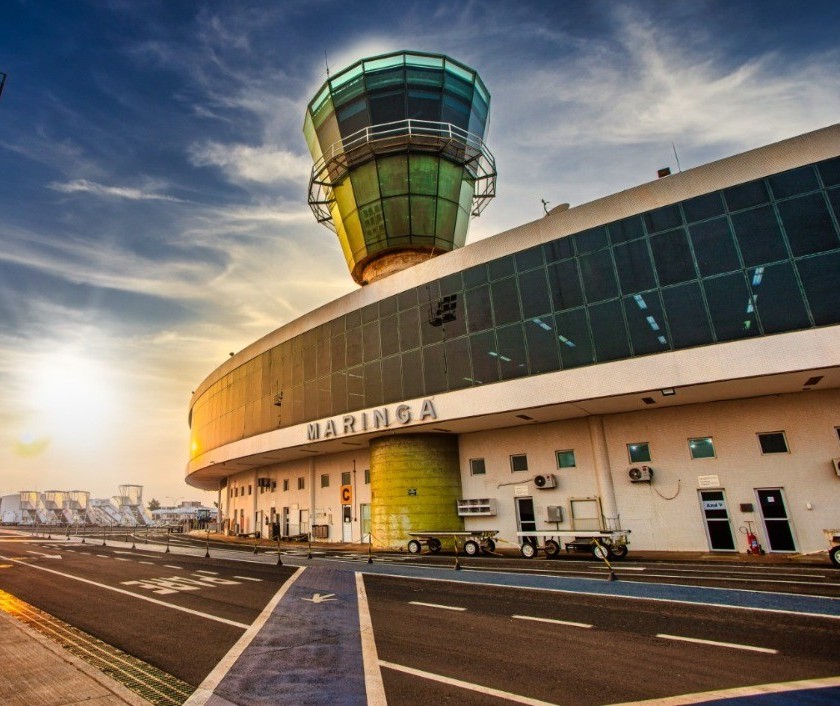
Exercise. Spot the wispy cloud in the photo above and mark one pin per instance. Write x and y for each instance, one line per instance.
(121, 192)
(266, 164)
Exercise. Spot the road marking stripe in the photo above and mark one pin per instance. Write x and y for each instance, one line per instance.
(119, 558)
(205, 690)
(436, 605)
(212, 573)
(508, 696)
(244, 578)
(552, 620)
(171, 566)
(150, 563)
(738, 692)
(734, 645)
(104, 556)
(138, 596)
(373, 675)
(678, 601)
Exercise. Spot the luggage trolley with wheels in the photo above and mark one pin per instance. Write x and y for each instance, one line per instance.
(551, 542)
(471, 543)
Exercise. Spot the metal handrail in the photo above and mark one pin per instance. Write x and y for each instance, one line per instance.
(460, 146)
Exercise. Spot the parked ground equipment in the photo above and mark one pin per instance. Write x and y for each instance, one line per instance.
(550, 542)
(471, 543)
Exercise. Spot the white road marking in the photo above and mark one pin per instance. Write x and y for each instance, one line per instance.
(138, 596)
(104, 556)
(171, 566)
(678, 601)
(46, 556)
(119, 558)
(436, 605)
(508, 696)
(150, 563)
(205, 690)
(737, 692)
(733, 645)
(247, 578)
(374, 687)
(211, 573)
(552, 620)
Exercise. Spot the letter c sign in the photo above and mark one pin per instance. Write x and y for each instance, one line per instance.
(346, 494)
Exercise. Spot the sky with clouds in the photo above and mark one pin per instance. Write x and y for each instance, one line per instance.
(153, 176)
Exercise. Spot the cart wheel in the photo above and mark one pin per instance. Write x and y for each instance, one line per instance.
(434, 545)
(529, 551)
(488, 545)
(470, 547)
(552, 549)
(834, 553)
(617, 552)
(414, 547)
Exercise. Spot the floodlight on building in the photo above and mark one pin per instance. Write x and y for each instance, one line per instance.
(400, 160)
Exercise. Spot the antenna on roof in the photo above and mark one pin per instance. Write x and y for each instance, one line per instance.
(545, 205)
(326, 63)
(2, 82)
(673, 147)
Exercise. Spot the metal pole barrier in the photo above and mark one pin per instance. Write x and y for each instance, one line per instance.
(370, 544)
(168, 531)
(256, 539)
(279, 560)
(83, 534)
(309, 539)
(207, 549)
(132, 541)
(457, 563)
(104, 529)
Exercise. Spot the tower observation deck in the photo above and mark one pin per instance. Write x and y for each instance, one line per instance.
(400, 160)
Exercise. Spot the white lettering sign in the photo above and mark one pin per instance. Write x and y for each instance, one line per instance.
(379, 418)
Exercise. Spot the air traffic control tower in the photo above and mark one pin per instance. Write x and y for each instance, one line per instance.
(400, 161)
(400, 166)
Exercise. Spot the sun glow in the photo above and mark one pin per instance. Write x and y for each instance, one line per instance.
(71, 396)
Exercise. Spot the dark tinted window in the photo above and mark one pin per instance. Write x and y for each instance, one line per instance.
(752, 193)
(475, 276)
(759, 237)
(672, 256)
(808, 225)
(458, 368)
(409, 329)
(434, 374)
(609, 333)
(646, 322)
(529, 259)
(686, 315)
(663, 218)
(560, 249)
(626, 229)
(778, 299)
(714, 247)
(819, 279)
(479, 311)
(598, 276)
(731, 307)
(796, 181)
(412, 380)
(485, 358)
(505, 301)
(830, 171)
(541, 340)
(773, 443)
(533, 290)
(635, 270)
(702, 207)
(512, 360)
(591, 240)
(564, 283)
(573, 335)
(503, 267)
(391, 379)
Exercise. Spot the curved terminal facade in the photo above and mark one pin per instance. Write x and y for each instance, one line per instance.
(667, 357)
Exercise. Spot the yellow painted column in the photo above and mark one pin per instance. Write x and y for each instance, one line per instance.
(415, 481)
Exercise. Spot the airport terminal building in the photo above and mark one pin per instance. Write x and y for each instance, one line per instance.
(666, 358)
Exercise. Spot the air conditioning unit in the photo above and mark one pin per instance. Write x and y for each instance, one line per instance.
(836, 463)
(545, 481)
(641, 474)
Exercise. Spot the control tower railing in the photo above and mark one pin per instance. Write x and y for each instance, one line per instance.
(430, 137)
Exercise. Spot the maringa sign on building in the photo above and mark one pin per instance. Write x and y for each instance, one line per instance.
(380, 418)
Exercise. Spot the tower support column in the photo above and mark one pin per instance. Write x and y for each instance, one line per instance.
(415, 481)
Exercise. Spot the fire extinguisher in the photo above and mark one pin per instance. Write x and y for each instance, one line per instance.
(753, 547)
